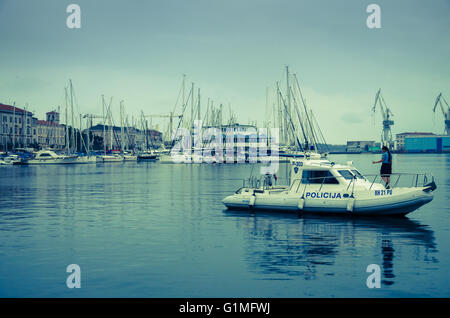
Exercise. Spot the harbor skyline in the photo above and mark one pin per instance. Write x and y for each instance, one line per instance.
(137, 52)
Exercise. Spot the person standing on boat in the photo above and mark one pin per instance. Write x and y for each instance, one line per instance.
(386, 166)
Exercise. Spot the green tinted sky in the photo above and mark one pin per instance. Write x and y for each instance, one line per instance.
(137, 50)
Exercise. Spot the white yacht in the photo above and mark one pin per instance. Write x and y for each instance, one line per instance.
(10, 160)
(320, 186)
(50, 157)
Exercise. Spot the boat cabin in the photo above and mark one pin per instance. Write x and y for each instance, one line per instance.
(323, 174)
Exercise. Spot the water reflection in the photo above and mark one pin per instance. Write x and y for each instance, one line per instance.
(286, 245)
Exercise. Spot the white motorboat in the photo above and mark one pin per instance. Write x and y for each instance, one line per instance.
(320, 186)
(50, 157)
(11, 160)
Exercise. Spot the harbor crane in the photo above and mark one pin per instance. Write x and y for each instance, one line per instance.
(386, 136)
(170, 116)
(445, 112)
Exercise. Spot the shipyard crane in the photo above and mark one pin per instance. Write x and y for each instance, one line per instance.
(445, 112)
(386, 136)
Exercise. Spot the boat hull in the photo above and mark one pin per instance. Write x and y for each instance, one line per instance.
(399, 204)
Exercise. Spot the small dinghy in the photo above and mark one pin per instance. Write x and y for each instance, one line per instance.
(320, 187)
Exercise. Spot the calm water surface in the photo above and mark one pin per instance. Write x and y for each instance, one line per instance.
(160, 230)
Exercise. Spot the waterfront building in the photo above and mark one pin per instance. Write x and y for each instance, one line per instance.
(400, 138)
(133, 138)
(16, 127)
(359, 146)
(50, 133)
(427, 143)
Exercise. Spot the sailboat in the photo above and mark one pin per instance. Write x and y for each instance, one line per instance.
(108, 157)
(300, 132)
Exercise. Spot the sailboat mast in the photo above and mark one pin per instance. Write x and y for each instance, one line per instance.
(288, 94)
(71, 109)
(192, 106)
(110, 127)
(121, 126)
(104, 122)
(67, 122)
(198, 105)
(14, 127)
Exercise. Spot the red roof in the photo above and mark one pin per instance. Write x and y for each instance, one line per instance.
(43, 122)
(48, 123)
(14, 109)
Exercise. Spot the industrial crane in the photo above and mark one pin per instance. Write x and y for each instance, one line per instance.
(170, 116)
(446, 113)
(386, 136)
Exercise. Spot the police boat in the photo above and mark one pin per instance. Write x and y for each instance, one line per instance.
(321, 187)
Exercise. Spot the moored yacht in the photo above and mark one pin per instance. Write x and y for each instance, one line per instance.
(50, 157)
(11, 160)
(147, 155)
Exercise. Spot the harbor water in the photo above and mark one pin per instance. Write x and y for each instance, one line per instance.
(146, 229)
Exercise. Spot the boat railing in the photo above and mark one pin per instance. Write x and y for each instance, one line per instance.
(263, 182)
(403, 179)
(397, 180)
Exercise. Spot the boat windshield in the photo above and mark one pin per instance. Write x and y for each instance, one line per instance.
(357, 174)
(318, 177)
(346, 174)
(351, 174)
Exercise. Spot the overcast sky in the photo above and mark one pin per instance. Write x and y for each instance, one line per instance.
(137, 50)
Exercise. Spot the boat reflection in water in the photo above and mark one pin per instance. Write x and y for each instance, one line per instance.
(287, 245)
